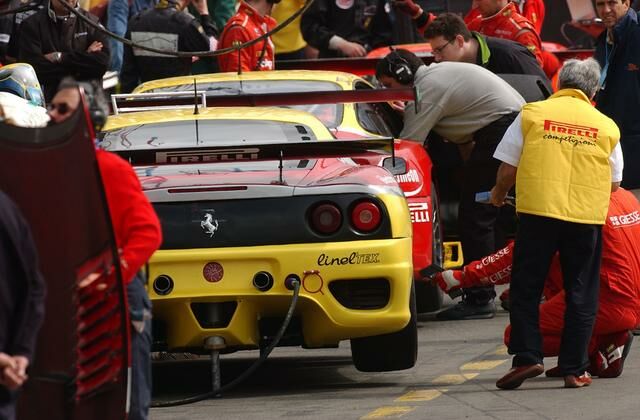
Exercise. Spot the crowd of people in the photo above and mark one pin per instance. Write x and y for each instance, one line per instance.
(578, 231)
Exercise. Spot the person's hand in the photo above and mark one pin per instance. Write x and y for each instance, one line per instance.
(96, 46)
(352, 49)
(53, 56)
(408, 7)
(22, 363)
(397, 106)
(498, 197)
(449, 280)
(9, 375)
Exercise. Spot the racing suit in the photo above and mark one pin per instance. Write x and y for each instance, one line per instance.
(164, 28)
(619, 300)
(138, 235)
(532, 10)
(365, 22)
(247, 24)
(44, 33)
(508, 23)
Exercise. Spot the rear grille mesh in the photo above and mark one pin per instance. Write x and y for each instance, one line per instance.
(361, 294)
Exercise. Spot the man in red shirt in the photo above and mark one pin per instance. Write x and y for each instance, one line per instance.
(619, 301)
(138, 236)
(251, 21)
(533, 10)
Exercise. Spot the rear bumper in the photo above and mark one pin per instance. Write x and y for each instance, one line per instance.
(327, 312)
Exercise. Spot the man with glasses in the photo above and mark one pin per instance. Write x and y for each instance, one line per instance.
(470, 107)
(451, 40)
(618, 52)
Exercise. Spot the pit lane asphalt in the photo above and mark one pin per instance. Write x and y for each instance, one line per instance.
(454, 378)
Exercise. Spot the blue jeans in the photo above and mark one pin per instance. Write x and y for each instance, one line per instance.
(118, 14)
(140, 313)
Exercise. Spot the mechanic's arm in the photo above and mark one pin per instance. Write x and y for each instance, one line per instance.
(242, 59)
(492, 269)
(142, 234)
(530, 39)
(417, 125)
(505, 180)
(616, 162)
(415, 12)
(209, 26)
(30, 51)
(194, 38)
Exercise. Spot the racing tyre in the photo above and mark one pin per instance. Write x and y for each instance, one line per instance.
(430, 296)
(387, 352)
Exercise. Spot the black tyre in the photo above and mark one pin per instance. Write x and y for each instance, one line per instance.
(387, 352)
(430, 296)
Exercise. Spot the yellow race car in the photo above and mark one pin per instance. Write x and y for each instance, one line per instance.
(236, 227)
(346, 120)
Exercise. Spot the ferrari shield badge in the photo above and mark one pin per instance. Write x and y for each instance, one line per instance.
(209, 224)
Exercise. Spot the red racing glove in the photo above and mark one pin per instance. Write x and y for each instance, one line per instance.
(449, 280)
(408, 7)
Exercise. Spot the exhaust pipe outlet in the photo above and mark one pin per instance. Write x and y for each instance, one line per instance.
(163, 285)
(263, 281)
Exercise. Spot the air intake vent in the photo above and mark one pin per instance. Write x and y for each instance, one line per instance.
(361, 294)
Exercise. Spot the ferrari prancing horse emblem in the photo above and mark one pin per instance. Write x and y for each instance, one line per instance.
(209, 224)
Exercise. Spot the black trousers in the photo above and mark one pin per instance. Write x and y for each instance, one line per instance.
(482, 226)
(580, 247)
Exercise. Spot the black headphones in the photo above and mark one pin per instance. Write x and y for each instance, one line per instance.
(399, 68)
(97, 104)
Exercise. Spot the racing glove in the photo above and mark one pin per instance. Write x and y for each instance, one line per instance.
(449, 280)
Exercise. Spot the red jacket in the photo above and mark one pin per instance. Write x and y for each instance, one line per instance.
(244, 26)
(135, 224)
(509, 24)
(619, 269)
(533, 10)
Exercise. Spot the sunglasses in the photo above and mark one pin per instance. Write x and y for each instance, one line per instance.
(61, 108)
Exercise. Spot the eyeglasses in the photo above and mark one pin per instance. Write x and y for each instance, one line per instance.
(61, 108)
(438, 50)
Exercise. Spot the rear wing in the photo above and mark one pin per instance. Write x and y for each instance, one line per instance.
(202, 99)
(259, 152)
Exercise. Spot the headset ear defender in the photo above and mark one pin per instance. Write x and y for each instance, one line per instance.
(399, 68)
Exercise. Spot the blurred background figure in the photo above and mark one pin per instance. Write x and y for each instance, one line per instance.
(347, 28)
(164, 27)
(289, 43)
(252, 20)
(58, 44)
(22, 294)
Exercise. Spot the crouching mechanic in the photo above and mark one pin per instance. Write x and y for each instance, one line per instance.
(619, 301)
(137, 232)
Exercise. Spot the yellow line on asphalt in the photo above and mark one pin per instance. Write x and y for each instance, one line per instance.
(453, 379)
(502, 351)
(482, 365)
(420, 395)
(388, 412)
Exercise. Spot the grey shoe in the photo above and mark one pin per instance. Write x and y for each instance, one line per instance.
(466, 310)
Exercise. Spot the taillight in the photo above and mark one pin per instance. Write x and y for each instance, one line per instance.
(326, 219)
(366, 217)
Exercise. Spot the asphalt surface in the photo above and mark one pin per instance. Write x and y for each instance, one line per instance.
(454, 378)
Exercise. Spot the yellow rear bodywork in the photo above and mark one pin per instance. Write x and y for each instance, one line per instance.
(323, 319)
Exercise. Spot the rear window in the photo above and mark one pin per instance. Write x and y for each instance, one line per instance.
(329, 114)
(179, 134)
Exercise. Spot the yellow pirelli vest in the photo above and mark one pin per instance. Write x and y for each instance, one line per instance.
(564, 170)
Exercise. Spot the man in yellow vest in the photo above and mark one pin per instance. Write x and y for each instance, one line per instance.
(565, 159)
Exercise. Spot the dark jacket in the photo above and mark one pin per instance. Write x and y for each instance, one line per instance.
(43, 33)
(22, 288)
(367, 22)
(620, 97)
(163, 28)
(504, 56)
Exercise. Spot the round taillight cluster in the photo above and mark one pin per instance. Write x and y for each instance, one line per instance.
(366, 216)
(326, 218)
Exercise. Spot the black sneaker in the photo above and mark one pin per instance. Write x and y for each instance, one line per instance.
(466, 310)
